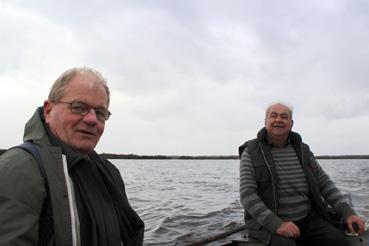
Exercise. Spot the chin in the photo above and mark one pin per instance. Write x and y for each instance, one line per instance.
(85, 148)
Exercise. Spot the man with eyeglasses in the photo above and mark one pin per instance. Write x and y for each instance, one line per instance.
(78, 198)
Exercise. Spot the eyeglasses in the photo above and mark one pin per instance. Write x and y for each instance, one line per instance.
(83, 109)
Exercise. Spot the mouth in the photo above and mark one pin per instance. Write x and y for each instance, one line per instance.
(278, 126)
(86, 132)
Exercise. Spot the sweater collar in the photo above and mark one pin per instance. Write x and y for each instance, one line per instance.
(293, 137)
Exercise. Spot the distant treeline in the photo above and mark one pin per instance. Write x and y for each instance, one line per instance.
(204, 157)
(211, 157)
(168, 157)
(343, 157)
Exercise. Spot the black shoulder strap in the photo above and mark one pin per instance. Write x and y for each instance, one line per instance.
(30, 148)
(46, 223)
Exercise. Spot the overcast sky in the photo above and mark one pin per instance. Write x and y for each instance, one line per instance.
(193, 77)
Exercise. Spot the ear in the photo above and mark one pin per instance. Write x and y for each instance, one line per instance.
(47, 109)
(292, 123)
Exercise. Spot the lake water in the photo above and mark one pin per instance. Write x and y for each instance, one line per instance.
(182, 201)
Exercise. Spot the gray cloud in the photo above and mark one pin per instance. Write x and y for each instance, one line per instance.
(194, 77)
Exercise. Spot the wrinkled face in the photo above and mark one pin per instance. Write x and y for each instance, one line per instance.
(81, 133)
(278, 121)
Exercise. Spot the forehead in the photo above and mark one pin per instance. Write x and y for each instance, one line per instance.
(86, 81)
(279, 108)
(86, 88)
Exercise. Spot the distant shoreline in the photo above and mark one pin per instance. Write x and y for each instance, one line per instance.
(210, 157)
(203, 157)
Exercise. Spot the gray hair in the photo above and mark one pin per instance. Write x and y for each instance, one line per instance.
(288, 106)
(58, 88)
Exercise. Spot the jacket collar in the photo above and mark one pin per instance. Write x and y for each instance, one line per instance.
(293, 137)
(72, 156)
(36, 130)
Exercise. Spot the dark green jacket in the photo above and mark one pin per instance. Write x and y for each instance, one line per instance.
(22, 191)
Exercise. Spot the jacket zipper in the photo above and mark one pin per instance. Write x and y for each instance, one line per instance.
(271, 175)
(273, 186)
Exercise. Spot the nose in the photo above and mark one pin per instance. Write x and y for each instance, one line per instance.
(90, 117)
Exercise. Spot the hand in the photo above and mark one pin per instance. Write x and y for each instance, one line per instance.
(288, 229)
(354, 219)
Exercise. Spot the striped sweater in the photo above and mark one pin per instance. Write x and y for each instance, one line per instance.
(293, 191)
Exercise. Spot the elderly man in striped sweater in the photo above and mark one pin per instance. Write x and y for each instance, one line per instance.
(284, 190)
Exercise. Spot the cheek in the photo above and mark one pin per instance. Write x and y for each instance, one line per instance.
(53, 120)
(289, 123)
(268, 123)
(100, 128)
(66, 125)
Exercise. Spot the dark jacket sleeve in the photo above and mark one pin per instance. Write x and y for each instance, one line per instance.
(21, 197)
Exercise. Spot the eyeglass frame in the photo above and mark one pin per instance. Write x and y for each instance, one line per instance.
(103, 112)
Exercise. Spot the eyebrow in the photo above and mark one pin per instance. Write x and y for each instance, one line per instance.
(282, 114)
(77, 101)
